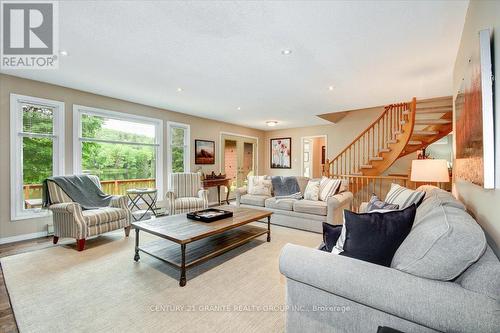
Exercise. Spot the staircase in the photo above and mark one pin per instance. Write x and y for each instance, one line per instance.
(401, 129)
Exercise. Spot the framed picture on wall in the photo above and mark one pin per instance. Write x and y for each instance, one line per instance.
(281, 153)
(204, 152)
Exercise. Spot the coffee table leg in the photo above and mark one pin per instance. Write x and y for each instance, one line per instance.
(269, 228)
(136, 256)
(182, 281)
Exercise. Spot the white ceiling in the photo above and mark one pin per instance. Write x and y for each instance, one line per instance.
(226, 55)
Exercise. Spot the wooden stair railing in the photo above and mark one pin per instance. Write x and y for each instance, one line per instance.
(378, 146)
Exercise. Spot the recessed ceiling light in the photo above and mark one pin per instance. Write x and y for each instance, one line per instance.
(238, 108)
(286, 52)
(179, 89)
(271, 123)
(330, 88)
(63, 53)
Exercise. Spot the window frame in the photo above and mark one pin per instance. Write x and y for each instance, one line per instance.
(187, 145)
(79, 110)
(17, 210)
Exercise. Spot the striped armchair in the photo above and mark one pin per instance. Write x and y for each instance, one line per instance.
(186, 193)
(71, 221)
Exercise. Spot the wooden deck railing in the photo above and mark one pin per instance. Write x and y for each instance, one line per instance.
(363, 187)
(33, 192)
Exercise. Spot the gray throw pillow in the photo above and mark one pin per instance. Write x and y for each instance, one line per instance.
(376, 203)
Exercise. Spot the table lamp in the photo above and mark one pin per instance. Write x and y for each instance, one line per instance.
(429, 171)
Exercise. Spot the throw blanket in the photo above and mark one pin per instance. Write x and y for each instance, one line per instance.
(80, 188)
(295, 196)
(285, 186)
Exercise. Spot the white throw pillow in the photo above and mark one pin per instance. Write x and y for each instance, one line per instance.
(261, 187)
(312, 190)
(404, 197)
(339, 246)
(328, 187)
(251, 180)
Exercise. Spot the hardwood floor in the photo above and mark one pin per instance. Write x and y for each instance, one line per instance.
(7, 319)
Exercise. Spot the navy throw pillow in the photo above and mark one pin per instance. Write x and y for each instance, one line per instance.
(331, 234)
(375, 237)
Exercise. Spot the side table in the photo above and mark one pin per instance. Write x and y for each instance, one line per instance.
(207, 183)
(149, 196)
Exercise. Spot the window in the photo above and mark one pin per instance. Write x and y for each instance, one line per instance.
(37, 151)
(123, 150)
(178, 147)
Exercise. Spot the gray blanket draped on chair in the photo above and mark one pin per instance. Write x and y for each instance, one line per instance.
(80, 188)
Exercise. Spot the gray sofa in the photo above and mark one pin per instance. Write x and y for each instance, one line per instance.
(301, 214)
(444, 277)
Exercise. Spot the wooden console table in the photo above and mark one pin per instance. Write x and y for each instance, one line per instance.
(207, 183)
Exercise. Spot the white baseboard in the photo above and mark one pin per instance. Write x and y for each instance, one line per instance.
(12, 239)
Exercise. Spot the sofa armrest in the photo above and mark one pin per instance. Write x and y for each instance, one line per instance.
(444, 306)
(119, 201)
(170, 198)
(203, 194)
(68, 220)
(66, 208)
(239, 192)
(336, 205)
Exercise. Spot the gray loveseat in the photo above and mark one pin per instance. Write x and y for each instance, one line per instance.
(444, 277)
(301, 214)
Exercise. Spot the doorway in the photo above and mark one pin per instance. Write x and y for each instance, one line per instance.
(313, 155)
(239, 159)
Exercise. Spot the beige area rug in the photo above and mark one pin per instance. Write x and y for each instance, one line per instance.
(103, 290)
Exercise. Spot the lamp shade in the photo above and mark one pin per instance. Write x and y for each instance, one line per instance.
(429, 171)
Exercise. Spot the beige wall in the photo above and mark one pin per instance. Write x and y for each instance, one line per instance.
(483, 204)
(200, 129)
(338, 137)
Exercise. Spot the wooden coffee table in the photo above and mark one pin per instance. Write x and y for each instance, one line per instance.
(206, 240)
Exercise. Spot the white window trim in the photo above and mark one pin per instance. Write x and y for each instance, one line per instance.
(78, 110)
(187, 146)
(17, 212)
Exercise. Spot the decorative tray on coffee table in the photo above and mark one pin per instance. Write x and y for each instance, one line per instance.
(209, 215)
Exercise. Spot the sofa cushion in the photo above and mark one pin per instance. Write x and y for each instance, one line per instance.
(344, 186)
(441, 245)
(328, 187)
(310, 207)
(283, 204)
(251, 180)
(261, 187)
(434, 199)
(375, 237)
(302, 181)
(483, 276)
(312, 190)
(254, 200)
(404, 197)
(376, 203)
(283, 186)
(331, 234)
(103, 215)
(188, 204)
